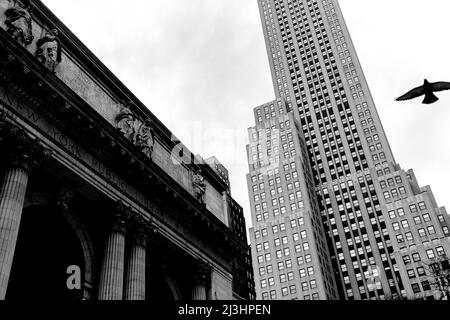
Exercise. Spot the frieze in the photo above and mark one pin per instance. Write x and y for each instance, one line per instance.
(137, 131)
(19, 23)
(199, 184)
(49, 50)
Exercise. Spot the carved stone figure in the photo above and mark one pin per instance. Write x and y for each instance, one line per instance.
(145, 138)
(49, 50)
(125, 123)
(199, 186)
(19, 22)
(202, 273)
(65, 198)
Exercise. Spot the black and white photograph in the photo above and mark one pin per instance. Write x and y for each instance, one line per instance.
(221, 156)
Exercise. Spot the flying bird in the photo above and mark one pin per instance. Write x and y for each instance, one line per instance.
(426, 89)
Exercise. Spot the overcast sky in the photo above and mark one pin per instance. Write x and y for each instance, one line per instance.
(201, 66)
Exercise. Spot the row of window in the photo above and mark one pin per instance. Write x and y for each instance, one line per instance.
(431, 254)
(413, 209)
(279, 228)
(285, 252)
(425, 285)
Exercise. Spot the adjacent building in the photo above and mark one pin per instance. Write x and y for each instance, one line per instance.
(98, 199)
(334, 216)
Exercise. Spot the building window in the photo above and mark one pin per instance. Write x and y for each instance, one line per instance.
(293, 289)
(302, 273)
(293, 223)
(440, 251)
(406, 260)
(279, 254)
(422, 232)
(273, 295)
(290, 276)
(411, 273)
(409, 236)
(305, 286)
(421, 271)
(269, 269)
(262, 271)
(422, 205)
(392, 214)
(400, 238)
(288, 264)
(264, 283)
(416, 257)
(430, 254)
(417, 220)
(415, 287)
(446, 230)
(426, 285)
(308, 258)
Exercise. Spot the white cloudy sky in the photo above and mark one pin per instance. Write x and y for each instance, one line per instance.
(201, 66)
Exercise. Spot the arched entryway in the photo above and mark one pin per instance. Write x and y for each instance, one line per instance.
(162, 287)
(47, 246)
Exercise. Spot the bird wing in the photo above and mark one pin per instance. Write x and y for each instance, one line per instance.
(414, 93)
(440, 86)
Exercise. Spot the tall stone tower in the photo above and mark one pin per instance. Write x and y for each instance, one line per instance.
(334, 216)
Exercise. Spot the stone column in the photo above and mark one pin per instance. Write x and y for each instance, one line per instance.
(202, 278)
(112, 273)
(19, 154)
(136, 265)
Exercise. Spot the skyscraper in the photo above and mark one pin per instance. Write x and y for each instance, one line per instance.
(334, 216)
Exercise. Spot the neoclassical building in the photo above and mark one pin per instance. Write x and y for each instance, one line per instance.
(98, 199)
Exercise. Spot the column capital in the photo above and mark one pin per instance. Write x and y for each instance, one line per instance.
(19, 149)
(143, 231)
(202, 272)
(120, 217)
(137, 227)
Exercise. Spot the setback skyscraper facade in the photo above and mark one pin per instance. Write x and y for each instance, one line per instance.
(334, 216)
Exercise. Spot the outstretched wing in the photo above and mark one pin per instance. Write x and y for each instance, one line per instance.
(440, 86)
(414, 93)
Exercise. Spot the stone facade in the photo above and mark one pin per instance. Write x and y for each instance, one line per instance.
(90, 181)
